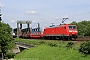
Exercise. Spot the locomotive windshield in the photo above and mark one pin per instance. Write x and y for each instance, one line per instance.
(72, 27)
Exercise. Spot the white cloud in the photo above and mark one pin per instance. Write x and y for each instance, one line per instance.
(37, 21)
(12, 21)
(66, 16)
(1, 5)
(34, 21)
(57, 17)
(31, 12)
(40, 20)
(45, 25)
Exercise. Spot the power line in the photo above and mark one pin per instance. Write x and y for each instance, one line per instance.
(80, 14)
(79, 8)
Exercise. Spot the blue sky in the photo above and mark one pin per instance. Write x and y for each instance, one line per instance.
(44, 12)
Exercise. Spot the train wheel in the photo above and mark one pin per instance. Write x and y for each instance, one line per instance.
(50, 37)
(43, 37)
(61, 38)
(54, 37)
(73, 39)
(67, 38)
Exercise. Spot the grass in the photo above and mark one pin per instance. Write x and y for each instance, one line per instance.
(37, 42)
(50, 50)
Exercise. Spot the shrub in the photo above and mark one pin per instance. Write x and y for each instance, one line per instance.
(42, 42)
(52, 44)
(10, 55)
(85, 47)
(69, 44)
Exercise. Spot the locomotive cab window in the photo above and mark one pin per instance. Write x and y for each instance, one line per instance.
(72, 27)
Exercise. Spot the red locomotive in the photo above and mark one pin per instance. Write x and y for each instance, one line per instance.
(62, 31)
(65, 31)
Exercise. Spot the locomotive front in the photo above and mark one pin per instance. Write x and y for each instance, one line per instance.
(73, 33)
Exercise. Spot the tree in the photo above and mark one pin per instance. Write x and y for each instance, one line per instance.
(88, 30)
(83, 27)
(74, 22)
(6, 39)
(85, 47)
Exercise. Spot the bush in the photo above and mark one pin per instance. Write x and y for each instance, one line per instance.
(10, 55)
(42, 42)
(69, 44)
(52, 44)
(85, 47)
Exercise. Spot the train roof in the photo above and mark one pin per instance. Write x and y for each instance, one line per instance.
(53, 26)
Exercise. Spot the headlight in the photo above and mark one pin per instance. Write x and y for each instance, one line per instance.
(41, 32)
(70, 31)
(75, 31)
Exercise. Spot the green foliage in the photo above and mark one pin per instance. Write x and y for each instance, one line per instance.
(39, 42)
(50, 50)
(46, 52)
(52, 44)
(74, 22)
(69, 44)
(6, 39)
(35, 42)
(10, 55)
(42, 42)
(85, 47)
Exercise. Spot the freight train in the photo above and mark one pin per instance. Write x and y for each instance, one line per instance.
(62, 31)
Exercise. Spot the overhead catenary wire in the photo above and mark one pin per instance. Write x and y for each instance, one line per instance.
(78, 10)
(79, 15)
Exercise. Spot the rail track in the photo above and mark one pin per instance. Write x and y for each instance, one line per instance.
(83, 38)
(77, 41)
